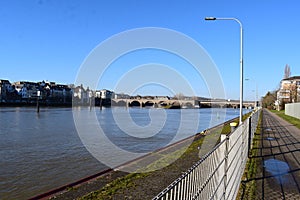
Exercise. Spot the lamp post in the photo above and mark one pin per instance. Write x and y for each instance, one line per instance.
(256, 91)
(241, 60)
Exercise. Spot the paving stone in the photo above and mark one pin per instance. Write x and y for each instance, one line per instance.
(278, 175)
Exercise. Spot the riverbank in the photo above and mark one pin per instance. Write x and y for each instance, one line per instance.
(34, 104)
(120, 185)
(55, 102)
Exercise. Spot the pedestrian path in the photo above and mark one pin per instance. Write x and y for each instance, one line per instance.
(278, 159)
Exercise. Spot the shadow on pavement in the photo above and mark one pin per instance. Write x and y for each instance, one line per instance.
(277, 159)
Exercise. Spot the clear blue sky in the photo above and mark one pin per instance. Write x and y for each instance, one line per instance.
(49, 39)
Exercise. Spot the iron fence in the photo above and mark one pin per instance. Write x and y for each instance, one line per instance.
(218, 174)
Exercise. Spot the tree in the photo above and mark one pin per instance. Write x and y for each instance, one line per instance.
(269, 99)
(179, 96)
(293, 92)
(287, 71)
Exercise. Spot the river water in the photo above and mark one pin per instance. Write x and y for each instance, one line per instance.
(42, 151)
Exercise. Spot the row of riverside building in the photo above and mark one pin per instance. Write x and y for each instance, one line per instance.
(48, 93)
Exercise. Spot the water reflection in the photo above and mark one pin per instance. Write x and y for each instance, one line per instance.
(278, 169)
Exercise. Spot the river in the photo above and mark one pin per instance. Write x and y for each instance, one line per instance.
(42, 151)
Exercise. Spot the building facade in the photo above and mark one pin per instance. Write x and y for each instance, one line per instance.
(5, 89)
(104, 94)
(289, 91)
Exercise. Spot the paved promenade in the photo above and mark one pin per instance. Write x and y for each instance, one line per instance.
(278, 157)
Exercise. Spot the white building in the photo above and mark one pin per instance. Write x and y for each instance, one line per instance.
(82, 95)
(104, 94)
(289, 91)
(26, 89)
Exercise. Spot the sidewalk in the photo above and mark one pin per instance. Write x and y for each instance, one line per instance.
(278, 158)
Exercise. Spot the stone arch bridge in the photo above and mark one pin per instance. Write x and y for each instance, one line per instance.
(173, 103)
(154, 103)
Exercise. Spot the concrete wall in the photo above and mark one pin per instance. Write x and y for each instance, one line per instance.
(293, 109)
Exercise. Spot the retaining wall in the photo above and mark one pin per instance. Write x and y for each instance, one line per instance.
(293, 109)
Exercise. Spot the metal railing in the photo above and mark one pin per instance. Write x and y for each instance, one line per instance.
(218, 174)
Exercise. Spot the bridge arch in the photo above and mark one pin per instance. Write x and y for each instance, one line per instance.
(148, 103)
(163, 103)
(135, 103)
(188, 105)
(176, 104)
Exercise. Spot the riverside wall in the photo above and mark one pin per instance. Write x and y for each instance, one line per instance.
(293, 109)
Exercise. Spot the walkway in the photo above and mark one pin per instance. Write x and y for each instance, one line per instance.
(278, 157)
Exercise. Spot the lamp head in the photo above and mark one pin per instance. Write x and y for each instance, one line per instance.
(210, 18)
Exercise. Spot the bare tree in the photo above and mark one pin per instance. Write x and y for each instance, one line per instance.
(293, 92)
(287, 71)
(179, 96)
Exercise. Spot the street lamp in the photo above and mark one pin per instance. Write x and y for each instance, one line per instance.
(256, 91)
(241, 60)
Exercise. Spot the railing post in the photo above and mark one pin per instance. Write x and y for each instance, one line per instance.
(249, 136)
(184, 188)
(226, 165)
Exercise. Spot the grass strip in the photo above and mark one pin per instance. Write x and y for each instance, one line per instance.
(115, 186)
(248, 186)
(128, 181)
(287, 118)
